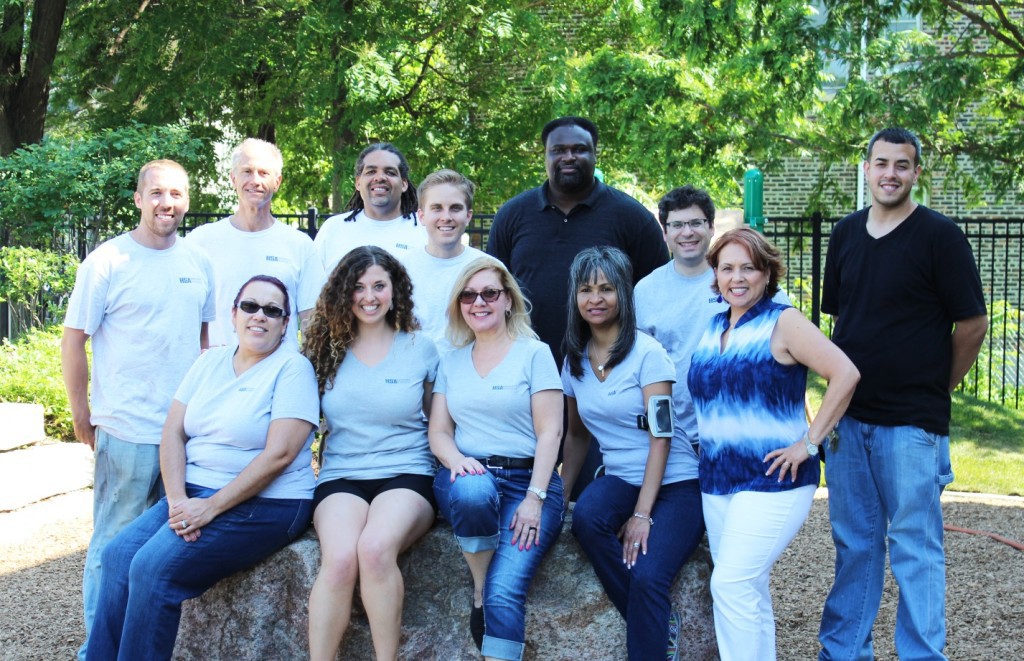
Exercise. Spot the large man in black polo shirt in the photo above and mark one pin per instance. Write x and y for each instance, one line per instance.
(537, 233)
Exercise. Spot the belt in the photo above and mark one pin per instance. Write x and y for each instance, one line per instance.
(495, 461)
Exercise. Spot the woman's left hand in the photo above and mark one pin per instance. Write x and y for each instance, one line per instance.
(787, 460)
(526, 523)
(634, 539)
(187, 517)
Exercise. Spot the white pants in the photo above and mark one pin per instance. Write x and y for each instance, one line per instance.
(747, 532)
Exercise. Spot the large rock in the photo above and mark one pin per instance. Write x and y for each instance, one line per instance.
(261, 613)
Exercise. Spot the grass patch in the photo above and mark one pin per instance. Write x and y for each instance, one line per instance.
(986, 443)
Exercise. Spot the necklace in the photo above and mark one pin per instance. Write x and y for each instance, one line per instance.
(600, 368)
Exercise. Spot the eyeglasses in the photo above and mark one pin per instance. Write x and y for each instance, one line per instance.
(271, 310)
(695, 224)
(468, 296)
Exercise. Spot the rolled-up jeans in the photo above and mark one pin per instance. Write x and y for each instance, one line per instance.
(148, 570)
(480, 510)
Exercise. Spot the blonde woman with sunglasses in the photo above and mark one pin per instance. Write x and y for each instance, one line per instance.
(495, 425)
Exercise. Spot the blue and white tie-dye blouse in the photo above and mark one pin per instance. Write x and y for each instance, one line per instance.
(747, 404)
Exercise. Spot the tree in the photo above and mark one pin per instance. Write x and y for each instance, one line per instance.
(29, 34)
(958, 83)
(71, 191)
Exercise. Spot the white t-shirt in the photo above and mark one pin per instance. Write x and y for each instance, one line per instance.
(338, 236)
(375, 422)
(143, 309)
(675, 310)
(493, 415)
(280, 250)
(432, 282)
(609, 410)
(227, 417)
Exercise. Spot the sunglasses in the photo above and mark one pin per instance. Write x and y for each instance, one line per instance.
(271, 310)
(468, 296)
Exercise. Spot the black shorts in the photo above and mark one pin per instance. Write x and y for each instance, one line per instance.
(370, 489)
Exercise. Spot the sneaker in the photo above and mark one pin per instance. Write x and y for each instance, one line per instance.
(674, 623)
(476, 626)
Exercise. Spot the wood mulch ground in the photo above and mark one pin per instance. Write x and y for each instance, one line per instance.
(42, 550)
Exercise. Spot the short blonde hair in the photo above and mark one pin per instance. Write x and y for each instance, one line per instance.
(517, 323)
(159, 164)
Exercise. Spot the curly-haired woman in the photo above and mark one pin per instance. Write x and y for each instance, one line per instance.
(373, 498)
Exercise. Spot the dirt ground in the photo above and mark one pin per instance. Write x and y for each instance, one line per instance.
(42, 550)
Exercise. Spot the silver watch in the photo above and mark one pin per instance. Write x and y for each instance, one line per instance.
(812, 449)
(537, 491)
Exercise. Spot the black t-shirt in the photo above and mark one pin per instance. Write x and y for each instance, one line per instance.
(537, 242)
(896, 299)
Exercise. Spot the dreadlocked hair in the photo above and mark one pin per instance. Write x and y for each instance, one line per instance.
(409, 201)
(334, 327)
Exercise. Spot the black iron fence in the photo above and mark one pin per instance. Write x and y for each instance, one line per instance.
(998, 248)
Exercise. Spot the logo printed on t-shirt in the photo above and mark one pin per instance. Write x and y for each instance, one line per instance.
(501, 387)
(276, 258)
(397, 381)
(246, 389)
(403, 246)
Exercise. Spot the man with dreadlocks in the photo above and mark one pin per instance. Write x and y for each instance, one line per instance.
(381, 211)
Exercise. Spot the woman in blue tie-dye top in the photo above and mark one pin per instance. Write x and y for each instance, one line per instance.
(759, 458)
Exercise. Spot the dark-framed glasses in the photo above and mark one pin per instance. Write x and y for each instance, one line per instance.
(468, 296)
(694, 224)
(271, 310)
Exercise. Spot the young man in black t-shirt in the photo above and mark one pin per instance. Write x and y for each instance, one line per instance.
(904, 287)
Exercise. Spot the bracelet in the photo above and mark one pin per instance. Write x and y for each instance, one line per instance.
(648, 519)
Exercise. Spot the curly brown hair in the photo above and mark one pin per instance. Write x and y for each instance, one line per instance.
(333, 326)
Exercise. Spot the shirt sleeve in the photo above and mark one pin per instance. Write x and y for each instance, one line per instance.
(567, 380)
(441, 379)
(956, 275)
(830, 283)
(543, 372)
(87, 305)
(648, 251)
(656, 366)
(499, 242)
(295, 392)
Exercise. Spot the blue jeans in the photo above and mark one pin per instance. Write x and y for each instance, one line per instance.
(126, 483)
(149, 570)
(641, 594)
(480, 510)
(884, 484)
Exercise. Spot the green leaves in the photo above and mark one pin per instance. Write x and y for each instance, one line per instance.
(80, 186)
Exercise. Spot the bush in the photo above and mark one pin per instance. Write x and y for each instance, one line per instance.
(37, 283)
(30, 373)
(57, 192)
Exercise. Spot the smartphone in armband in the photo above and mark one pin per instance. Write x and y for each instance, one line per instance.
(660, 420)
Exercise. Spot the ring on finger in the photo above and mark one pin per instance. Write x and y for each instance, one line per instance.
(636, 545)
(184, 525)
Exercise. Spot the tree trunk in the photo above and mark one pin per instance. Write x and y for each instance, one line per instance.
(24, 93)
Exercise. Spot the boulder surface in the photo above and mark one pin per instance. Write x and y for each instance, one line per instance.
(262, 614)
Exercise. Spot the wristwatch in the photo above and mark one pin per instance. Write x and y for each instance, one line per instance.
(537, 491)
(812, 449)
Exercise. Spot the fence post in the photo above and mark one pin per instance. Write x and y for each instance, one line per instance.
(816, 268)
(311, 217)
(753, 199)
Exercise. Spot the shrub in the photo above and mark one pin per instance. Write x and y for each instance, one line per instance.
(30, 373)
(37, 283)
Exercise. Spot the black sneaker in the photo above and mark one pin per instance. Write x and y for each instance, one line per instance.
(476, 626)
